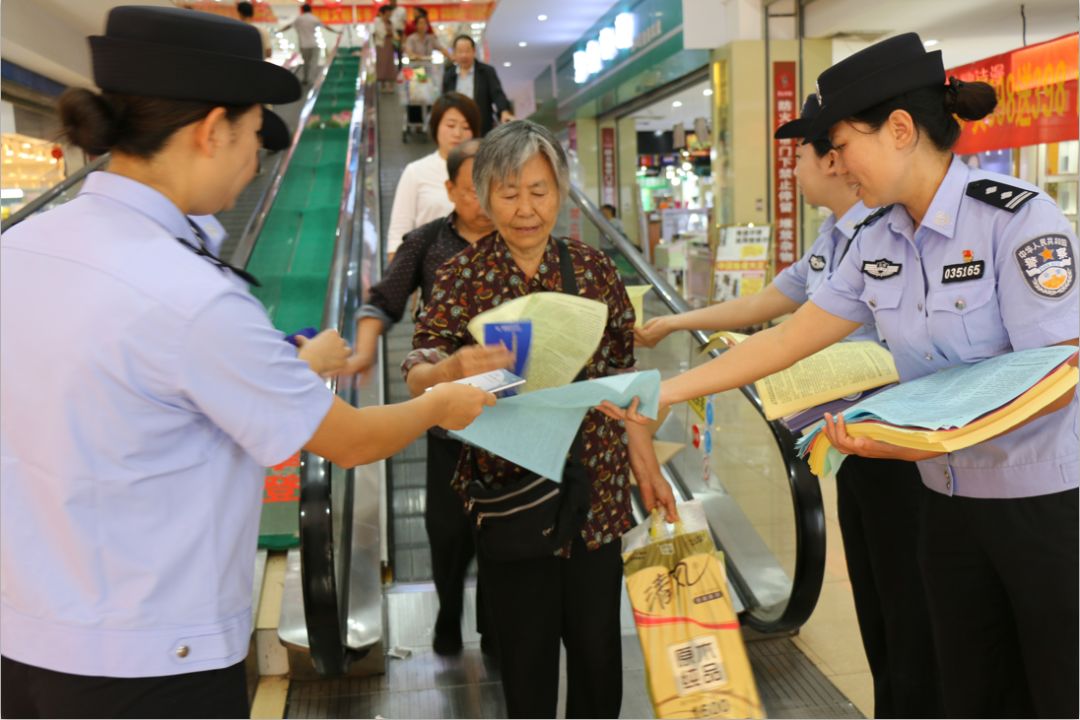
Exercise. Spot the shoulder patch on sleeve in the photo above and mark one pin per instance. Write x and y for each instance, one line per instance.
(1004, 197)
(1047, 265)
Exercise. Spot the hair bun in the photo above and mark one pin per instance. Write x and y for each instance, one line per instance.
(88, 121)
(969, 100)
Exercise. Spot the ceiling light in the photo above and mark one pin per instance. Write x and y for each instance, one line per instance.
(581, 69)
(624, 31)
(677, 104)
(523, 44)
(608, 51)
(541, 18)
(477, 26)
(506, 64)
(930, 43)
(592, 56)
(707, 92)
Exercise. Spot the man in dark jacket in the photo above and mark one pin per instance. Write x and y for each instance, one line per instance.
(479, 81)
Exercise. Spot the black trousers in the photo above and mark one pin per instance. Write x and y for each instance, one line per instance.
(1001, 576)
(32, 692)
(537, 604)
(878, 508)
(449, 532)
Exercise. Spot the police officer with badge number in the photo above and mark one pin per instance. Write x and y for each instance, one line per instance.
(143, 389)
(967, 265)
(877, 500)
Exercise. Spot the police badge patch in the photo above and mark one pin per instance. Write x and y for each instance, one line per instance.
(817, 262)
(1047, 265)
(881, 268)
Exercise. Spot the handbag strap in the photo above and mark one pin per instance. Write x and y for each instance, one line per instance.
(566, 269)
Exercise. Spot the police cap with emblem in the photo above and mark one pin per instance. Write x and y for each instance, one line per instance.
(872, 76)
(188, 55)
(800, 127)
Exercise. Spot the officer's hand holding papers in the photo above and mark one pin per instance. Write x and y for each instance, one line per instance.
(946, 411)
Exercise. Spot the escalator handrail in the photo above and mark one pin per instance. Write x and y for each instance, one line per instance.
(805, 490)
(323, 609)
(54, 192)
(255, 222)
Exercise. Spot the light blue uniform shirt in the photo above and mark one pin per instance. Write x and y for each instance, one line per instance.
(142, 391)
(801, 280)
(973, 282)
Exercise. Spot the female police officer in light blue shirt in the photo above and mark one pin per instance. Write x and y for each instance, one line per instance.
(877, 499)
(143, 388)
(967, 265)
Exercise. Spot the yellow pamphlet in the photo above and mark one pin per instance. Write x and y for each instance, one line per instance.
(637, 299)
(566, 331)
(839, 370)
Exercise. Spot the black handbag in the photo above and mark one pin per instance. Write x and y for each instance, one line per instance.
(532, 517)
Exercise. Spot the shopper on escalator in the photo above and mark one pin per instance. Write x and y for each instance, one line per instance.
(478, 81)
(572, 598)
(143, 390)
(877, 499)
(307, 27)
(424, 251)
(420, 196)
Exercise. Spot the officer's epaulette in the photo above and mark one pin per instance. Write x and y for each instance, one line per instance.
(871, 219)
(1004, 197)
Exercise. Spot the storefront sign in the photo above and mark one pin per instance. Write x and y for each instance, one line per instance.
(1036, 88)
(741, 262)
(607, 166)
(785, 202)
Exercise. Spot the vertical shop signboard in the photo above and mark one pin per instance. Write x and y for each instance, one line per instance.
(1036, 87)
(785, 204)
(607, 166)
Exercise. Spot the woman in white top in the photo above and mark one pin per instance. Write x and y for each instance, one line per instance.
(421, 191)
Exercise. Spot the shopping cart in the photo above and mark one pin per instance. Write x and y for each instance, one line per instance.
(420, 90)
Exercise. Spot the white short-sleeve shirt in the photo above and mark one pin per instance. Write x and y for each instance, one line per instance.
(142, 390)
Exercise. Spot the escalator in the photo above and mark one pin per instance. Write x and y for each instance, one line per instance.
(764, 506)
(312, 232)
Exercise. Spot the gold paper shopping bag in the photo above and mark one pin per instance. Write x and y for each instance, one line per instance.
(695, 661)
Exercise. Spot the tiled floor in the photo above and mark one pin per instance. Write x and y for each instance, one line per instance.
(831, 637)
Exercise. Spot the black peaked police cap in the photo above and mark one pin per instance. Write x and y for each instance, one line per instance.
(873, 75)
(189, 55)
(799, 128)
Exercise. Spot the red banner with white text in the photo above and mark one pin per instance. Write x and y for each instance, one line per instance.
(785, 202)
(1036, 88)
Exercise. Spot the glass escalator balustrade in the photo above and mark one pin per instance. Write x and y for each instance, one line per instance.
(763, 506)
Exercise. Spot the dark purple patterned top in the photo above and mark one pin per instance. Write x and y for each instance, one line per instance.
(486, 275)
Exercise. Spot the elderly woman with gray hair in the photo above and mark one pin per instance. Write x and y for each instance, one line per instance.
(572, 596)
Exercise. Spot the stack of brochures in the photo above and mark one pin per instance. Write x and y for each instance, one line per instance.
(830, 381)
(954, 408)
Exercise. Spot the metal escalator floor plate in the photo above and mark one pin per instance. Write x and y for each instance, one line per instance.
(428, 686)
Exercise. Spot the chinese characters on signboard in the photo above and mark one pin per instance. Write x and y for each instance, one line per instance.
(607, 166)
(1036, 88)
(740, 262)
(785, 201)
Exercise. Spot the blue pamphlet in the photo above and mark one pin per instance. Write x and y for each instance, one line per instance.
(516, 336)
(308, 332)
